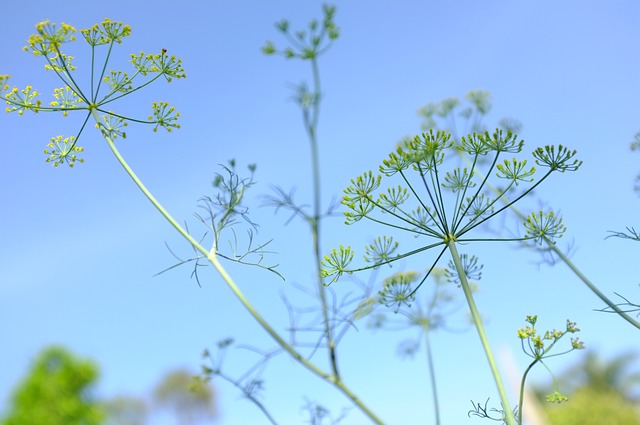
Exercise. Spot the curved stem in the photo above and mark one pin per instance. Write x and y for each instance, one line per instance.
(212, 258)
(477, 321)
(524, 378)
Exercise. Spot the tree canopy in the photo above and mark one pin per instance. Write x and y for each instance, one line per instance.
(56, 391)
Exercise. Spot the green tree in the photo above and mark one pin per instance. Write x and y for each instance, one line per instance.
(588, 406)
(604, 376)
(600, 392)
(56, 391)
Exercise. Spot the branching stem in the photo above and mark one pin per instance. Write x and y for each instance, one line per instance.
(212, 258)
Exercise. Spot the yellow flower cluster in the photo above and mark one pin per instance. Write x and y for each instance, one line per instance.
(3, 83)
(60, 63)
(63, 150)
(66, 98)
(165, 116)
(49, 38)
(47, 42)
(106, 32)
(23, 99)
(170, 66)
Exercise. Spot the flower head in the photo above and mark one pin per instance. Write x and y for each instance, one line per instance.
(381, 250)
(106, 32)
(49, 38)
(397, 291)
(65, 98)
(60, 63)
(542, 227)
(470, 267)
(335, 264)
(169, 66)
(113, 126)
(164, 116)
(21, 100)
(4, 87)
(63, 150)
(557, 159)
(119, 81)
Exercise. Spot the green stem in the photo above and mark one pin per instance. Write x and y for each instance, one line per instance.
(477, 320)
(591, 286)
(312, 127)
(212, 258)
(432, 375)
(521, 401)
(435, 221)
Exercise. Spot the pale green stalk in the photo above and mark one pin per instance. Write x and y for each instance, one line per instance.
(524, 378)
(432, 375)
(212, 258)
(477, 320)
(591, 286)
(312, 128)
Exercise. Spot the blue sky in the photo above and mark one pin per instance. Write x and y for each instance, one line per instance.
(80, 247)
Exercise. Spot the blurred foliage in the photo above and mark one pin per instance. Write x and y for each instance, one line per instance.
(56, 391)
(600, 392)
(589, 406)
(192, 400)
(126, 410)
(466, 116)
(612, 375)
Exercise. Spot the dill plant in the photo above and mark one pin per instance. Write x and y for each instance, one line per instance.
(439, 204)
(442, 205)
(97, 100)
(451, 113)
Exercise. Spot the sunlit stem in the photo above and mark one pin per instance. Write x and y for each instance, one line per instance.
(477, 321)
(210, 255)
(212, 258)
